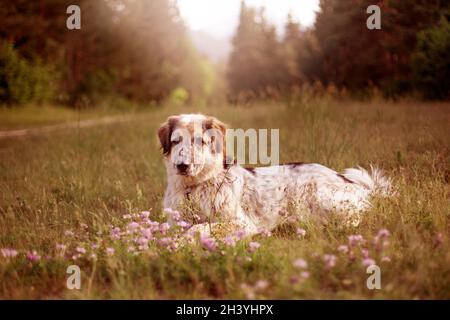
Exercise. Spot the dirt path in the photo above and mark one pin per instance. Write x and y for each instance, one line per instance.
(66, 125)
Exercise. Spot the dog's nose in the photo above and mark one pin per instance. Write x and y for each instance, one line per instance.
(182, 167)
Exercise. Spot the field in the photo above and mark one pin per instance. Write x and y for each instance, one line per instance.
(62, 192)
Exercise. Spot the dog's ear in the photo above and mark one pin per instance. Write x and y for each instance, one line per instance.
(215, 124)
(165, 132)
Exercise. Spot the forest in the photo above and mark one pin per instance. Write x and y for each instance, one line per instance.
(141, 51)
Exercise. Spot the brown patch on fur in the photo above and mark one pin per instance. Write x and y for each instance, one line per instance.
(251, 170)
(164, 133)
(344, 178)
(220, 146)
(295, 164)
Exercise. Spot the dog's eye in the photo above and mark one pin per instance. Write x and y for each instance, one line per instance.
(176, 141)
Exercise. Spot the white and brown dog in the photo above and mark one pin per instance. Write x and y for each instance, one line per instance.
(202, 184)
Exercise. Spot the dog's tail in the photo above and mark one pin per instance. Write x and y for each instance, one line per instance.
(375, 181)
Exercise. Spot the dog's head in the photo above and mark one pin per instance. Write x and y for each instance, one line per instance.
(193, 145)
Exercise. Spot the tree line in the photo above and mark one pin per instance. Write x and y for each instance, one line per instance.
(410, 54)
(137, 50)
(140, 50)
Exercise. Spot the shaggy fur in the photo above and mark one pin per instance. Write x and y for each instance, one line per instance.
(253, 199)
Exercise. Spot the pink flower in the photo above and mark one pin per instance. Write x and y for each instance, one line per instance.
(365, 253)
(110, 251)
(368, 262)
(142, 241)
(80, 250)
(300, 263)
(183, 224)
(304, 274)
(164, 227)
(69, 233)
(354, 240)
(33, 256)
(301, 232)
(330, 260)
(174, 214)
(133, 226)
(229, 241)
(208, 243)
(265, 233)
(145, 214)
(439, 239)
(343, 248)
(383, 233)
(260, 285)
(8, 253)
(147, 233)
(241, 234)
(60, 246)
(115, 233)
(164, 241)
(253, 246)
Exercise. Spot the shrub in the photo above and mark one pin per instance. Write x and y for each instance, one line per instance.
(22, 81)
(431, 61)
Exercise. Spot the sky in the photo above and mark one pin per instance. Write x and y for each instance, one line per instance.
(220, 17)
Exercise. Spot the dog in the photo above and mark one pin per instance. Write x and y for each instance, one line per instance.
(209, 189)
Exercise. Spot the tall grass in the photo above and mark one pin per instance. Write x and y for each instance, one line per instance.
(53, 183)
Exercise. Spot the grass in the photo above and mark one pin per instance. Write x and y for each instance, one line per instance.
(85, 181)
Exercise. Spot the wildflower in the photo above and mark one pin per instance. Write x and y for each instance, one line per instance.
(439, 239)
(386, 259)
(229, 241)
(164, 227)
(301, 232)
(142, 242)
(173, 214)
(330, 260)
(8, 253)
(300, 263)
(60, 246)
(110, 251)
(115, 233)
(147, 233)
(354, 240)
(133, 226)
(294, 280)
(208, 243)
(368, 262)
(260, 285)
(80, 250)
(383, 233)
(95, 246)
(145, 214)
(343, 248)
(248, 291)
(240, 234)
(365, 253)
(304, 274)
(164, 241)
(183, 224)
(33, 256)
(253, 246)
(69, 233)
(265, 233)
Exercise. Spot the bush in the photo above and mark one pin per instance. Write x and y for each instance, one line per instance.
(22, 81)
(431, 61)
